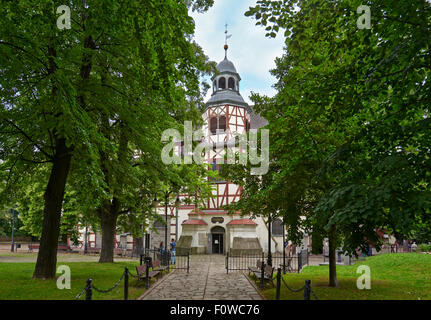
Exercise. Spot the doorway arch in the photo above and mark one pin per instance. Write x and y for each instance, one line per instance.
(217, 242)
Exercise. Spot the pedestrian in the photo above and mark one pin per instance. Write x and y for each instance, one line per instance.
(161, 248)
(173, 249)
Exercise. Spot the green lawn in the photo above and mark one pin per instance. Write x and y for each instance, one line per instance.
(16, 281)
(393, 277)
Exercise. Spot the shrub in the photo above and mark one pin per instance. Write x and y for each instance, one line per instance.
(424, 247)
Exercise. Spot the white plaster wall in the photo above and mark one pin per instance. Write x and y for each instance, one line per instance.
(262, 233)
(241, 231)
(194, 230)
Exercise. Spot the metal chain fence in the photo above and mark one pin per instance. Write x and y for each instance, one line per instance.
(90, 286)
(112, 288)
(306, 288)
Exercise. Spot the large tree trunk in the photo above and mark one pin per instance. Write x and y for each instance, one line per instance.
(109, 224)
(108, 219)
(333, 282)
(54, 195)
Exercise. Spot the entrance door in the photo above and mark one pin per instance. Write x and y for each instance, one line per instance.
(217, 243)
(217, 240)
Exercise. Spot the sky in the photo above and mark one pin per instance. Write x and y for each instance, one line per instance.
(251, 52)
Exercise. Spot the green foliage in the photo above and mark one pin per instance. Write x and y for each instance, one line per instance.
(424, 248)
(109, 86)
(349, 126)
(395, 276)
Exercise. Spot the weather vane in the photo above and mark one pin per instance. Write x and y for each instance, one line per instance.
(225, 43)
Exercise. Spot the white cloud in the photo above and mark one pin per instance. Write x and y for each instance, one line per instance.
(251, 52)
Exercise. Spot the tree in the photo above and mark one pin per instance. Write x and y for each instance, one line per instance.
(349, 126)
(55, 87)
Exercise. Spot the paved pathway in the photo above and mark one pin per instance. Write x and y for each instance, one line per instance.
(207, 280)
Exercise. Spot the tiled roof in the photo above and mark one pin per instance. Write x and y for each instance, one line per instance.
(195, 222)
(256, 121)
(242, 222)
(195, 212)
(209, 212)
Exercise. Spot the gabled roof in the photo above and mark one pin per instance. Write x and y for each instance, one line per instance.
(242, 222)
(195, 222)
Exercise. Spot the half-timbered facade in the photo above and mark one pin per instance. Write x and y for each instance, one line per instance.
(209, 228)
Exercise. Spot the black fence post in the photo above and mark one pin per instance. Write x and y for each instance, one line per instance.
(88, 290)
(307, 289)
(140, 260)
(227, 262)
(262, 274)
(147, 272)
(126, 283)
(299, 261)
(277, 292)
(188, 261)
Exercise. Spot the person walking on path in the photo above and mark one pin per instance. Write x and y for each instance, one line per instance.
(173, 245)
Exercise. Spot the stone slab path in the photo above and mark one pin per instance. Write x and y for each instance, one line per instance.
(207, 280)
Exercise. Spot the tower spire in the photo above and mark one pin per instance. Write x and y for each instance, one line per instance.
(227, 36)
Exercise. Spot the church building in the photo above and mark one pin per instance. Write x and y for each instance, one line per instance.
(210, 229)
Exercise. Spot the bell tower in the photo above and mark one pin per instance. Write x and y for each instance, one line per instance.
(226, 115)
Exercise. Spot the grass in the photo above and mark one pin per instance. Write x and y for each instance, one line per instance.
(16, 282)
(401, 276)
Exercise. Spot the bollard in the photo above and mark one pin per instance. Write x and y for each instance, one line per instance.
(188, 261)
(277, 292)
(299, 262)
(262, 274)
(227, 262)
(307, 289)
(147, 272)
(88, 290)
(126, 283)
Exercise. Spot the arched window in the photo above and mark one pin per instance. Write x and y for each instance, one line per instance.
(231, 83)
(222, 123)
(217, 229)
(222, 83)
(217, 124)
(277, 228)
(213, 125)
